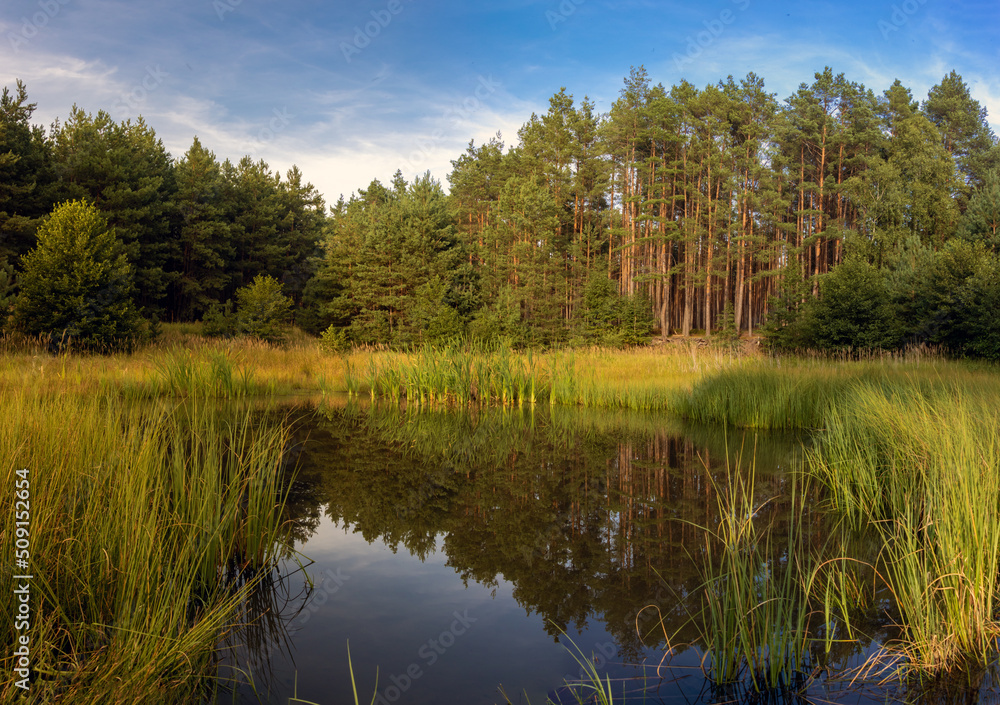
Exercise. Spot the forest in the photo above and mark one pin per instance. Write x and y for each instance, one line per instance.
(836, 219)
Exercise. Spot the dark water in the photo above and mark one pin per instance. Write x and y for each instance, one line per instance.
(462, 554)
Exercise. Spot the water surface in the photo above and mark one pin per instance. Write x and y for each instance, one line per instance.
(458, 553)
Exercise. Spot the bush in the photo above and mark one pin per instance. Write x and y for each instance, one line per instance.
(219, 321)
(335, 340)
(612, 319)
(262, 310)
(854, 310)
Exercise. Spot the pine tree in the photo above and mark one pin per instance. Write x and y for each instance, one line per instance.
(27, 180)
(981, 220)
(77, 284)
(965, 132)
(124, 170)
(204, 233)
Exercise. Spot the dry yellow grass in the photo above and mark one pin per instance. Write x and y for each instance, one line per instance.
(303, 367)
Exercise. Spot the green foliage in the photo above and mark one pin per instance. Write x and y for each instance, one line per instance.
(7, 292)
(392, 272)
(77, 283)
(262, 309)
(219, 321)
(728, 332)
(500, 321)
(126, 172)
(853, 310)
(431, 318)
(335, 340)
(944, 297)
(205, 240)
(27, 179)
(601, 305)
(636, 322)
(788, 319)
(611, 319)
(689, 201)
(981, 220)
(964, 127)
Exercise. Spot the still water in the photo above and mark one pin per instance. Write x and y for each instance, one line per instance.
(461, 555)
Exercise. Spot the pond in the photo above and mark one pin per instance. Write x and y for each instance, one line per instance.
(463, 556)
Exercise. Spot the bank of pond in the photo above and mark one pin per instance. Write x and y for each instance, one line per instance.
(772, 529)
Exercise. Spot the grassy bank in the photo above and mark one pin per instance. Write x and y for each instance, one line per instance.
(909, 451)
(183, 363)
(149, 527)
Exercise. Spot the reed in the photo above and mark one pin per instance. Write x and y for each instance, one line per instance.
(922, 468)
(456, 375)
(466, 373)
(150, 527)
(754, 617)
(801, 393)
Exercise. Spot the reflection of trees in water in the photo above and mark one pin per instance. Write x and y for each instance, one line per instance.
(585, 513)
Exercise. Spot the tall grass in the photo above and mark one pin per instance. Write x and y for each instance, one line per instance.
(461, 375)
(466, 374)
(180, 374)
(923, 469)
(149, 527)
(755, 599)
(908, 451)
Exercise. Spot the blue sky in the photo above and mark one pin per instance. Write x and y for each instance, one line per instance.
(352, 91)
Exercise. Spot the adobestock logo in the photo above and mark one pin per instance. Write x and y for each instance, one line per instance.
(31, 26)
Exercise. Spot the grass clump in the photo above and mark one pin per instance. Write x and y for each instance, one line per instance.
(923, 470)
(150, 527)
(754, 604)
(909, 452)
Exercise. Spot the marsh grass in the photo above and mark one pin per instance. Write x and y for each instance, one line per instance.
(922, 468)
(468, 374)
(183, 363)
(456, 375)
(150, 527)
(755, 598)
(908, 451)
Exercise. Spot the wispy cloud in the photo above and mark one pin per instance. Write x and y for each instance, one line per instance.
(273, 78)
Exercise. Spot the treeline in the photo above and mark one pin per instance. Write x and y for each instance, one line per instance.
(194, 230)
(683, 209)
(711, 202)
(687, 210)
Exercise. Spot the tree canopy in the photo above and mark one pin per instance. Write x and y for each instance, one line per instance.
(683, 208)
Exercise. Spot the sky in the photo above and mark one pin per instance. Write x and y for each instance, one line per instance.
(352, 91)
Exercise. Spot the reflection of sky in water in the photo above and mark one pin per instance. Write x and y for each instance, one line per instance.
(402, 614)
